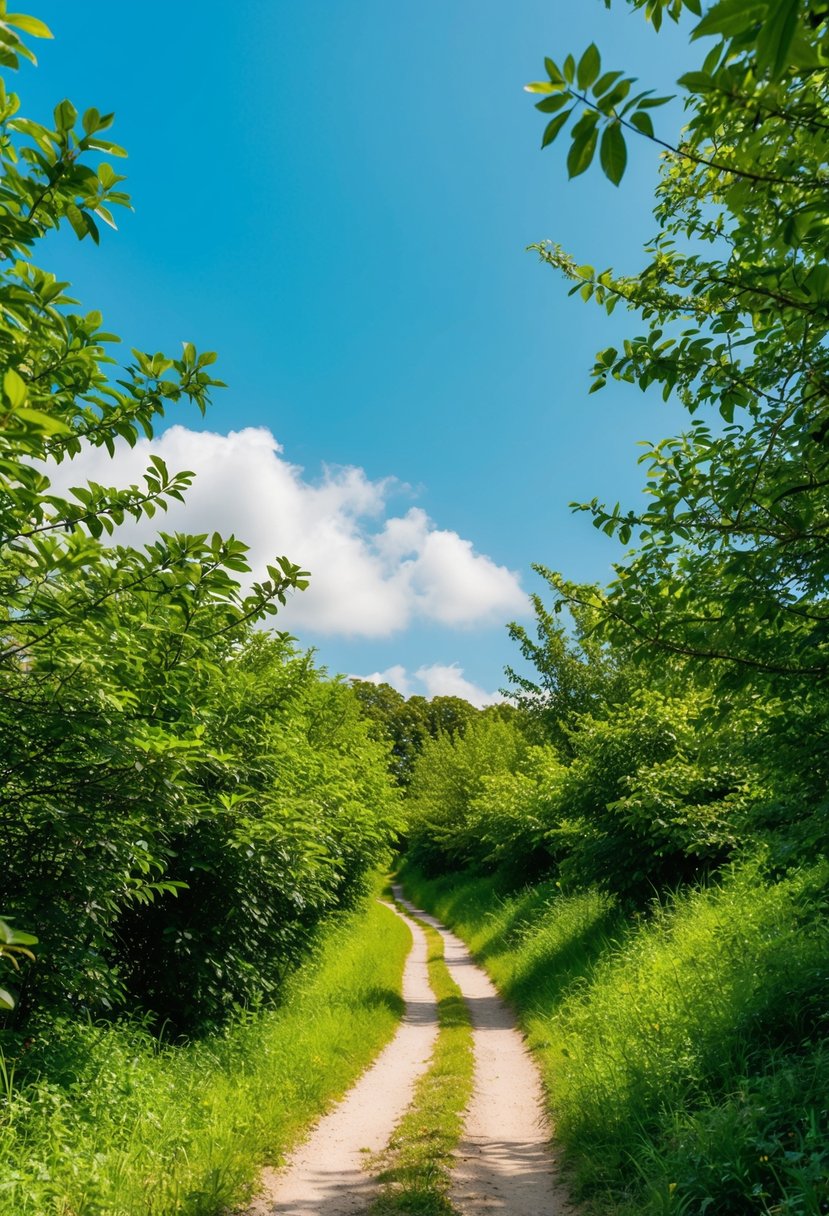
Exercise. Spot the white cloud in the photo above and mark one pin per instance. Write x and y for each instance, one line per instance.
(372, 576)
(449, 681)
(397, 676)
(436, 680)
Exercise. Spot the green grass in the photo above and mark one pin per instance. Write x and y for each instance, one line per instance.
(414, 1170)
(117, 1126)
(684, 1053)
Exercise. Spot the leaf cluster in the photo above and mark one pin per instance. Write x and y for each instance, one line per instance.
(729, 563)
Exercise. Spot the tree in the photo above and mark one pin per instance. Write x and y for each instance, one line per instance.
(153, 746)
(407, 723)
(731, 560)
(447, 778)
(575, 673)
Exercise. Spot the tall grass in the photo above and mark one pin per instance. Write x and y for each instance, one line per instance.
(683, 1052)
(103, 1121)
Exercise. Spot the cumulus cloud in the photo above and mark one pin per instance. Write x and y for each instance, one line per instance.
(372, 574)
(436, 680)
(449, 681)
(397, 676)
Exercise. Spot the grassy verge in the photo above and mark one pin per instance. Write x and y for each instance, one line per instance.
(684, 1053)
(115, 1125)
(414, 1169)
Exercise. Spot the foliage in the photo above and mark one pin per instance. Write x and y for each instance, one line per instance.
(575, 673)
(652, 798)
(509, 816)
(447, 777)
(408, 722)
(284, 829)
(730, 563)
(125, 779)
(104, 1118)
(652, 794)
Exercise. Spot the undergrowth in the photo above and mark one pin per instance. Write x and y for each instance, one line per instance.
(683, 1050)
(102, 1120)
(414, 1169)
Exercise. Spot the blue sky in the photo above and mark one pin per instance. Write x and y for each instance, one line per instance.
(337, 198)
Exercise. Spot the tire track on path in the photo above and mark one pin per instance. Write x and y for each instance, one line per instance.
(504, 1160)
(325, 1176)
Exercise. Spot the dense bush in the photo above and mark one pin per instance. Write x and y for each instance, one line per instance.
(284, 829)
(650, 797)
(150, 742)
(448, 776)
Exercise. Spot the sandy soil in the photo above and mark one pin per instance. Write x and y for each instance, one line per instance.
(504, 1163)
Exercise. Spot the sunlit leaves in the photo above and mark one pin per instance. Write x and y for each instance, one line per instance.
(600, 102)
(731, 563)
(588, 67)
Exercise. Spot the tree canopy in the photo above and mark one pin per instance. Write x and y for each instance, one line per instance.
(730, 558)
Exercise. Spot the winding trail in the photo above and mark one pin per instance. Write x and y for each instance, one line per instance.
(325, 1176)
(504, 1160)
(504, 1164)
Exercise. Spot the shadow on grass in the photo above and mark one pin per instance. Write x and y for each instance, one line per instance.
(547, 976)
(377, 998)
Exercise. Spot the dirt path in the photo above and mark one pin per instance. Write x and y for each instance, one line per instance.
(504, 1159)
(325, 1176)
(503, 1163)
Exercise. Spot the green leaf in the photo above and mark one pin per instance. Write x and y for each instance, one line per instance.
(104, 145)
(552, 129)
(582, 151)
(613, 152)
(65, 116)
(15, 388)
(696, 82)
(540, 86)
(551, 104)
(776, 35)
(729, 17)
(6, 999)
(642, 121)
(46, 423)
(29, 25)
(91, 120)
(606, 82)
(589, 67)
(76, 219)
(553, 71)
